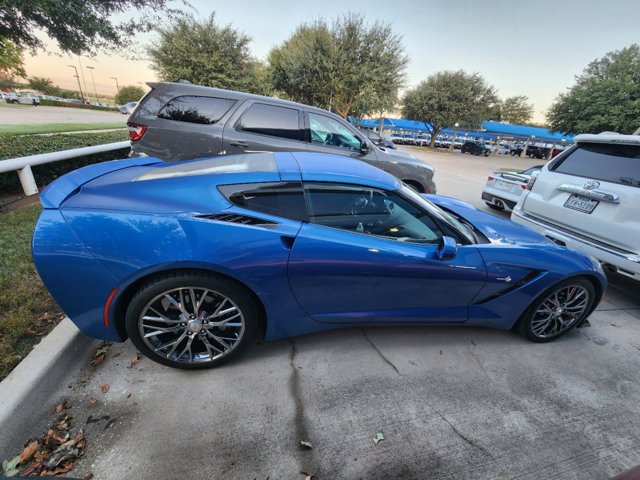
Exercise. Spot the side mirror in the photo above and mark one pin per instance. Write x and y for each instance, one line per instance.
(447, 248)
(364, 147)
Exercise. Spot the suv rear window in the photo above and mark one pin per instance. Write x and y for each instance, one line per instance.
(193, 109)
(608, 162)
(270, 120)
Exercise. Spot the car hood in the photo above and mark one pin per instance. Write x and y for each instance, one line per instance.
(404, 157)
(495, 228)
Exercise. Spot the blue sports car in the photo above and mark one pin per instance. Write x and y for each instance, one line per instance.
(195, 260)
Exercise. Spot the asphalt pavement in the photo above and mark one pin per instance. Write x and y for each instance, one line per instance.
(451, 403)
(30, 115)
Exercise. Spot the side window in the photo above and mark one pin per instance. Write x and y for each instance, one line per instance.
(270, 120)
(370, 211)
(328, 131)
(279, 199)
(193, 109)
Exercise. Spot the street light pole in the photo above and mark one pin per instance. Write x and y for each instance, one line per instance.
(91, 69)
(117, 86)
(83, 80)
(77, 78)
(455, 133)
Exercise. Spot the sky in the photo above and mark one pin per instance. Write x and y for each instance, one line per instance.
(522, 47)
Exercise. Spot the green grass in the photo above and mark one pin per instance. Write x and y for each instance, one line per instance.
(26, 310)
(57, 128)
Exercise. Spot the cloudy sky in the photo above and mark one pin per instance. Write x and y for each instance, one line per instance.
(522, 47)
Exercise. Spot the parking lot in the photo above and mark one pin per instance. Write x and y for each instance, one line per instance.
(450, 402)
(30, 115)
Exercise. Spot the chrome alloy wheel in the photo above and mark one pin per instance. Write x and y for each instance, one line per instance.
(191, 324)
(560, 311)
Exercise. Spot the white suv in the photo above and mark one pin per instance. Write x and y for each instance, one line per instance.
(588, 198)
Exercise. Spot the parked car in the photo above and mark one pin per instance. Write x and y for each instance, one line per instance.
(516, 150)
(128, 108)
(475, 148)
(377, 139)
(503, 149)
(588, 198)
(397, 138)
(195, 260)
(503, 189)
(177, 121)
(534, 151)
(11, 97)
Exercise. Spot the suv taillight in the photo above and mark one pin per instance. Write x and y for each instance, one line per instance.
(532, 180)
(136, 131)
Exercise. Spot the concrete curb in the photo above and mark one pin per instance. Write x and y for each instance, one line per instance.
(28, 392)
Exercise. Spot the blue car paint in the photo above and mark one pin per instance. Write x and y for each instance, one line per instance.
(110, 232)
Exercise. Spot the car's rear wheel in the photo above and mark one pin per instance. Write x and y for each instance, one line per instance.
(192, 319)
(558, 310)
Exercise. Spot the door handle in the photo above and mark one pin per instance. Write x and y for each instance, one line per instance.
(239, 144)
(287, 241)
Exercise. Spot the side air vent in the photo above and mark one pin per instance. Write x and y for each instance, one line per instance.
(236, 218)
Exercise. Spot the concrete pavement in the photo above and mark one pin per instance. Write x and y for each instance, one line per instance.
(30, 115)
(450, 402)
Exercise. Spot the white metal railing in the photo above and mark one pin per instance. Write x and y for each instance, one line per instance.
(23, 164)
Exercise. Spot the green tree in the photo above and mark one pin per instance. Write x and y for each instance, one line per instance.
(605, 97)
(206, 53)
(446, 98)
(129, 93)
(42, 84)
(516, 110)
(348, 67)
(11, 63)
(79, 26)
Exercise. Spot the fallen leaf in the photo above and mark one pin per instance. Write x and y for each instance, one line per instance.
(134, 361)
(104, 388)
(93, 400)
(97, 360)
(378, 437)
(62, 455)
(117, 354)
(614, 325)
(28, 451)
(9, 467)
(307, 476)
(32, 468)
(53, 440)
(62, 406)
(636, 345)
(88, 476)
(305, 445)
(129, 396)
(109, 423)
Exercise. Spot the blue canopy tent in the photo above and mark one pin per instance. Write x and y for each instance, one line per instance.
(413, 126)
(526, 132)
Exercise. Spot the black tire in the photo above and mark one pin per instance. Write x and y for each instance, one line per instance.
(494, 206)
(219, 288)
(525, 324)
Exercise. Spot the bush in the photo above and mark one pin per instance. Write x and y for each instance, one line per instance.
(12, 146)
(55, 103)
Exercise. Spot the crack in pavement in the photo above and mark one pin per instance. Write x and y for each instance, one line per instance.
(307, 461)
(411, 384)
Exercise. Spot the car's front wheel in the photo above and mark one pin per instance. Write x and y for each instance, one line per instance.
(191, 319)
(558, 310)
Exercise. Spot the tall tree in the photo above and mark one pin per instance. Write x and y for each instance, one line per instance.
(42, 84)
(446, 98)
(11, 63)
(605, 97)
(129, 93)
(516, 110)
(347, 66)
(206, 53)
(79, 26)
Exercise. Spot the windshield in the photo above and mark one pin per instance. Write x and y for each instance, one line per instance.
(439, 213)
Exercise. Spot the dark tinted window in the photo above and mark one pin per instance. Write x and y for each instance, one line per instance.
(280, 199)
(270, 120)
(194, 109)
(607, 162)
(370, 211)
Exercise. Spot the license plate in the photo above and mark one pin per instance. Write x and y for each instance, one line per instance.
(506, 186)
(581, 204)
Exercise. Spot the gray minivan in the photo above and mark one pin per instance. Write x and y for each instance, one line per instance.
(181, 121)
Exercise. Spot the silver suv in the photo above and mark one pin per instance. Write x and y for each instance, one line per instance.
(588, 198)
(179, 121)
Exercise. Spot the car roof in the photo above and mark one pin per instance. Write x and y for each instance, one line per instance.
(291, 166)
(608, 137)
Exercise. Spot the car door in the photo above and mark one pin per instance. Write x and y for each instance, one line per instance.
(368, 255)
(261, 126)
